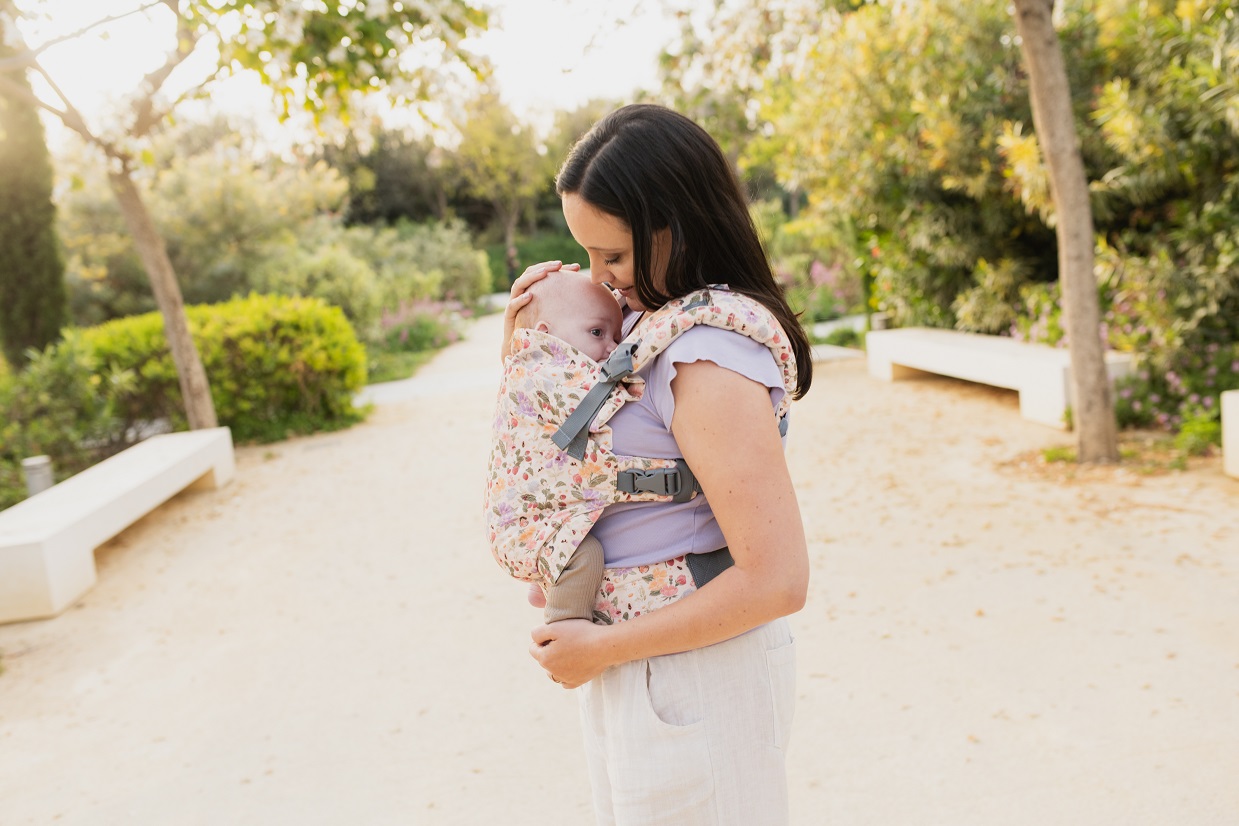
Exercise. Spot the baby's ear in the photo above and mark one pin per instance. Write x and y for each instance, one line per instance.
(543, 327)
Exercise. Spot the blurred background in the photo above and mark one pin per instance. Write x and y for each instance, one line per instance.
(338, 185)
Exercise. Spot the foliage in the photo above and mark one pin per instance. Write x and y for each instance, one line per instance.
(815, 290)
(499, 160)
(395, 177)
(32, 288)
(717, 69)
(419, 326)
(532, 249)
(1185, 363)
(277, 366)
(61, 405)
(991, 305)
(236, 224)
(312, 54)
(409, 335)
(1200, 434)
(223, 212)
(845, 337)
(889, 120)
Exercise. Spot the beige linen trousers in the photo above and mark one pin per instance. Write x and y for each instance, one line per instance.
(694, 739)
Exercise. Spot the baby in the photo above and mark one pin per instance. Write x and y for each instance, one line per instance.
(567, 305)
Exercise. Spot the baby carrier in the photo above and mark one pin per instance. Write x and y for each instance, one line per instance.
(552, 467)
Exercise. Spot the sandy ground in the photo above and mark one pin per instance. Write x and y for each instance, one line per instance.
(327, 641)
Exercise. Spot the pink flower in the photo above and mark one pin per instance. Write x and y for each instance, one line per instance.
(669, 590)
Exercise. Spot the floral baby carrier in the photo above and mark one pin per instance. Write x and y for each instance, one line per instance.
(552, 467)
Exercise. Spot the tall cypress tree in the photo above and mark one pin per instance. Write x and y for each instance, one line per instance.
(33, 301)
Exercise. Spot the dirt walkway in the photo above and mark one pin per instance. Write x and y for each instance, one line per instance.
(326, 641)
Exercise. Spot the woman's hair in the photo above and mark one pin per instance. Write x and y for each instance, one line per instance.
(654, 168)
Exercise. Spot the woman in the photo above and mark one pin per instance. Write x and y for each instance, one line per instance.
(686, 709)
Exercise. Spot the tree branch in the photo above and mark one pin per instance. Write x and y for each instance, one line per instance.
(29, 56)
(16, 90)
(145, 115)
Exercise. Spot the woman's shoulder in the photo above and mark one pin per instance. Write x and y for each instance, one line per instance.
(728, 349)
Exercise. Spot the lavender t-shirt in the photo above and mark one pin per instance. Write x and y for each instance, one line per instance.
(640, 533)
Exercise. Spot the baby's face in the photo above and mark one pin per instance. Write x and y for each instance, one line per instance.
(585, 315)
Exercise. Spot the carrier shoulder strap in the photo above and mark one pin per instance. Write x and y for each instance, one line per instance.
(714, 307)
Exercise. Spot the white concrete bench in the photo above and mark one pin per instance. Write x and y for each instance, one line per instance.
(1041, 374)
(1230, 433)
(47, 542)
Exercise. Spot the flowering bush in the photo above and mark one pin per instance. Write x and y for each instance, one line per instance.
(416, 326)
(1185, 365)
(1188, 390)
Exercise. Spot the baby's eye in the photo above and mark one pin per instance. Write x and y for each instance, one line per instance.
(596, 332)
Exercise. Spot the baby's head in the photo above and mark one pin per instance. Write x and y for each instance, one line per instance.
(568, 305)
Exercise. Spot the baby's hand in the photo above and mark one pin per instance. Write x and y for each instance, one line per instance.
(536, 598)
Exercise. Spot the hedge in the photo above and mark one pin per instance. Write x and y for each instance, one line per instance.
(276, 365)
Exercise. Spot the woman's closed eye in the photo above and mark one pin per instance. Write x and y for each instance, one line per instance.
(610, 261)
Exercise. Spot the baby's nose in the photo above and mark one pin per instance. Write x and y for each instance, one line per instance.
(610, 347)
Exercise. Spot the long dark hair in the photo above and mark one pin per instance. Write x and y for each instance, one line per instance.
(654, 168)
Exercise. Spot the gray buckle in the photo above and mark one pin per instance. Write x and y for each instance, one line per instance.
(677, 482)
(619, 364)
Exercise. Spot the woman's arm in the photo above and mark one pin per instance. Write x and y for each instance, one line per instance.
(726, 431)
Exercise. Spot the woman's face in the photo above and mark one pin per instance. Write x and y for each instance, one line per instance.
(608, 240)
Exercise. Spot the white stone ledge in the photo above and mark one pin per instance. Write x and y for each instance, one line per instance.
(47, 542)
(1230, 433)
(1041, 374)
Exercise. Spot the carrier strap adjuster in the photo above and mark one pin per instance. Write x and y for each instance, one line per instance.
(677, 482)
(573, 433)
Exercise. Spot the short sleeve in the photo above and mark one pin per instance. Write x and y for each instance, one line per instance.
(726, 348)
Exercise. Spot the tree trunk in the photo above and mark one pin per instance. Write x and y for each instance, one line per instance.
(510, 218)
(199, 408)
(1054, 121)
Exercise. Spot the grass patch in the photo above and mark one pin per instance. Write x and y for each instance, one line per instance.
(382, 365)
(842, 337)
(1141, 453)
(1059, 453)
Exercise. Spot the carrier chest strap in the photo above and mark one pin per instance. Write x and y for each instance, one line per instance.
(677, 482)
(573, 434)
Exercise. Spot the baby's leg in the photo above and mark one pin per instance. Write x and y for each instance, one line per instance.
(572, 595)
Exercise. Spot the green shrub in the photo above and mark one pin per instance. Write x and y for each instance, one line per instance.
(447, 253)
(844, 337)
(332, 272)
(276, 365)
(419, 326)
(61, 405)
(532, 250)
(1200, 433)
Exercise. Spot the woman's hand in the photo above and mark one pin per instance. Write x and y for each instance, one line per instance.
(520, 296)
(572, 652)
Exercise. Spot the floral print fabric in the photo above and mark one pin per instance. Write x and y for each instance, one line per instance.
(627, 593)
(540, 503)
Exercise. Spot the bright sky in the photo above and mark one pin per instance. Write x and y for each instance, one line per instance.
(548, 54)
